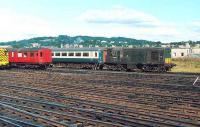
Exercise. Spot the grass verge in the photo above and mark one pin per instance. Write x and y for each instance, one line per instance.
(191, 65)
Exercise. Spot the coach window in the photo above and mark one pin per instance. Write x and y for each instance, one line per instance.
(91, 54)
(41, 54)
(95, 54)
(78, 54)
(19, 54)
(25, 54)
(31, 54)
(86, 54)
(182, 54)
(71, 54)
(57, 54)
(12, 54)
(64, 54)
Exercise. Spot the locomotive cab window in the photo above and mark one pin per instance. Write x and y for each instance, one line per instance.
(114, 54)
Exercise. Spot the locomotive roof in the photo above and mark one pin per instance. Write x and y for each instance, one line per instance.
(77, 49)
(25, 49)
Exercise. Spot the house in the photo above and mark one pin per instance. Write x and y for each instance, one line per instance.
(184, 52)
(35, 44)
(180, 52)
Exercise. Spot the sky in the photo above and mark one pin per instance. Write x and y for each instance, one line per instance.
(155, 20)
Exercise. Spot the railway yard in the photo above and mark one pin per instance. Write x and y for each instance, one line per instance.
(87, 98)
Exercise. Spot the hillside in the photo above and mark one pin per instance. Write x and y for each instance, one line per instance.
(82, 40)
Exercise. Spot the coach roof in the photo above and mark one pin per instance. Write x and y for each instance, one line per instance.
(77, 49)
(25, 49)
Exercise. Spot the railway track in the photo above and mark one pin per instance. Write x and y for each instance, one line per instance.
(53, 98)
(166, 78)
(27, 101)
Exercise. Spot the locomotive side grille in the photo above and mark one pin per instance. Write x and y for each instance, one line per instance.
(154, 56)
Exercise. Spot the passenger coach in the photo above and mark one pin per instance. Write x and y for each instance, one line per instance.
(30, 57)
(77, 57)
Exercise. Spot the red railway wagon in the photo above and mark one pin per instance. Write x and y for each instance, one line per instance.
(30, 57)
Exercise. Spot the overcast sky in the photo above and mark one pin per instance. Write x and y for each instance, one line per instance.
(157, 20)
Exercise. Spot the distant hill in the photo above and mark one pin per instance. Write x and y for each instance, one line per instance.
(81, 40)
(92, 41)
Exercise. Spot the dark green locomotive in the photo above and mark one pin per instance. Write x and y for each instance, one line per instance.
(146, 59)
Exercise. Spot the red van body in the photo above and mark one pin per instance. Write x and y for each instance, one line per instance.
(40, 57)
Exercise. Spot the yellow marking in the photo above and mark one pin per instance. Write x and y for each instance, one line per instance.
(3, 57)
(168, 60)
